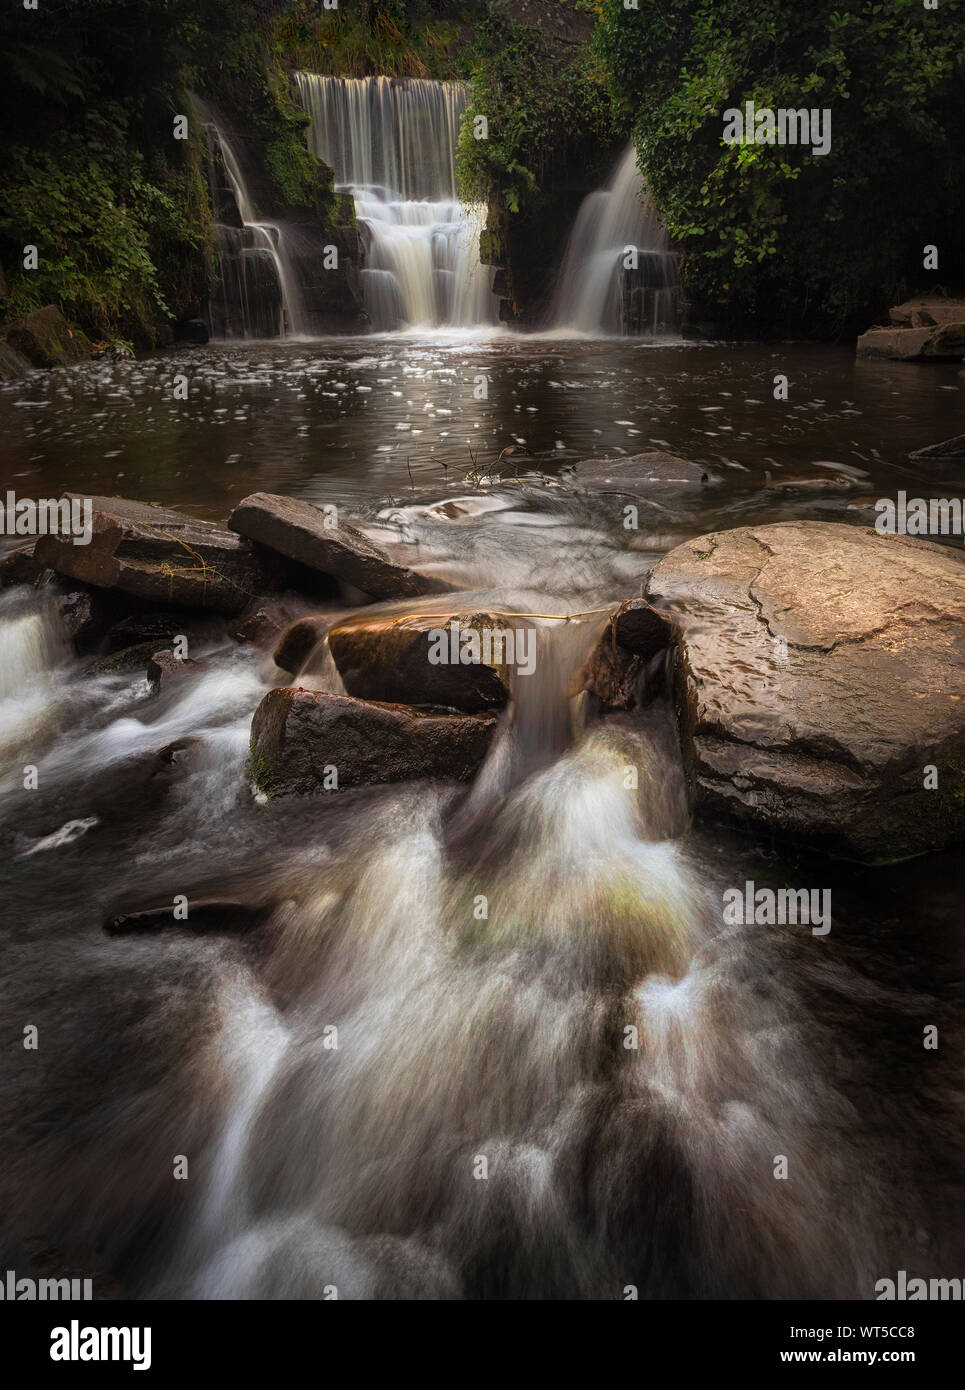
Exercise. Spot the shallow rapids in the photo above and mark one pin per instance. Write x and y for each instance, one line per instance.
(453, 1043)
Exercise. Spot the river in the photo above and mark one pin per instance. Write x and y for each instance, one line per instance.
(476, 1125)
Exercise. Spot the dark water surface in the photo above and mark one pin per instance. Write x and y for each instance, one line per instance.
(344, 416)
(357, 1167)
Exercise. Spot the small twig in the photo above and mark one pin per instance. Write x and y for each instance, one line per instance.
(558, 617)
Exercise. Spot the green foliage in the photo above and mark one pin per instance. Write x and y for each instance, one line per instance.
(775, 237)
(119, 209)
(92, 239)
(544, 105)
(372, 37)
(293, 170)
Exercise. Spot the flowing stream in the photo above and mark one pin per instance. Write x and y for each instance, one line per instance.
(380, 1089)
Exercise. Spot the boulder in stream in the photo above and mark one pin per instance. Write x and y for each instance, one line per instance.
(946, 451)
(384, 656)
(635, 633)
(161, 555)
(944, 343)
(652, 476)
(46, 339)
(299, 640)
(820, 683)
(165, 669)
(304, 741)
(323, 542)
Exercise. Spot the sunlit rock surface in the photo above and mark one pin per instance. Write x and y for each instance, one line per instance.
(820, 674)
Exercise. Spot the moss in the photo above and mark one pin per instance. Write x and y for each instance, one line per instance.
(259, 771)
(376, 37)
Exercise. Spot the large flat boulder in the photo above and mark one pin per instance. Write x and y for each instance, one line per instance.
(820, 672)
(299, 738)
(385, 657)
(654, 475)
(160, 555)
(312, 537)
(946, 342)
(46, 339)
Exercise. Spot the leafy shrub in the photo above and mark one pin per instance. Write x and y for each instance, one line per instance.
(775, 237)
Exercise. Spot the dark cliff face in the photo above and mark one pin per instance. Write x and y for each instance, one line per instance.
(322, 246)
(558, 19)
(526, 243)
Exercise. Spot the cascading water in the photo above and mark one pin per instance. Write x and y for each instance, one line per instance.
(392, 143)
(530, 973)
(258, 295)
(598, 293)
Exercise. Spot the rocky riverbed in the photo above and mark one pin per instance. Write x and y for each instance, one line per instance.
(332, 890)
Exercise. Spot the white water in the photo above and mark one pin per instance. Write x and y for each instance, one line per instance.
(589, 299)
(626, 1068)
(266, 240)
(393, 143)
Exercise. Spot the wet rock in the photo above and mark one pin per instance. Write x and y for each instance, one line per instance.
(927, 312)
(19, 567)
(129, 659)
(654, 475)
(946, 342)
(615, 669)
(265, 619)
(299, 640)
(159, 555)
(299, 737)
(820, 671)
(641, 628)
(46, 339)
(13, 364)
(165, 669)
(162, 625)
(311, 537)
(384, 657)
(949, 450)
(178, 754)
(84, 614)
(203, 914)
(822, 483)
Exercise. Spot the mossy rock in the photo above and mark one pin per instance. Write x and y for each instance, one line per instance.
(46, 339)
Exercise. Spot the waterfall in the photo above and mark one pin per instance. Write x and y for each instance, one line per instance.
(597, 293)
(392, 142)
(257, 295)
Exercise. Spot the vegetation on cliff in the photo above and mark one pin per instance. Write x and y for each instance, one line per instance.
(778, 238)
(94, 176)
(395, 38)
(550, 136)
